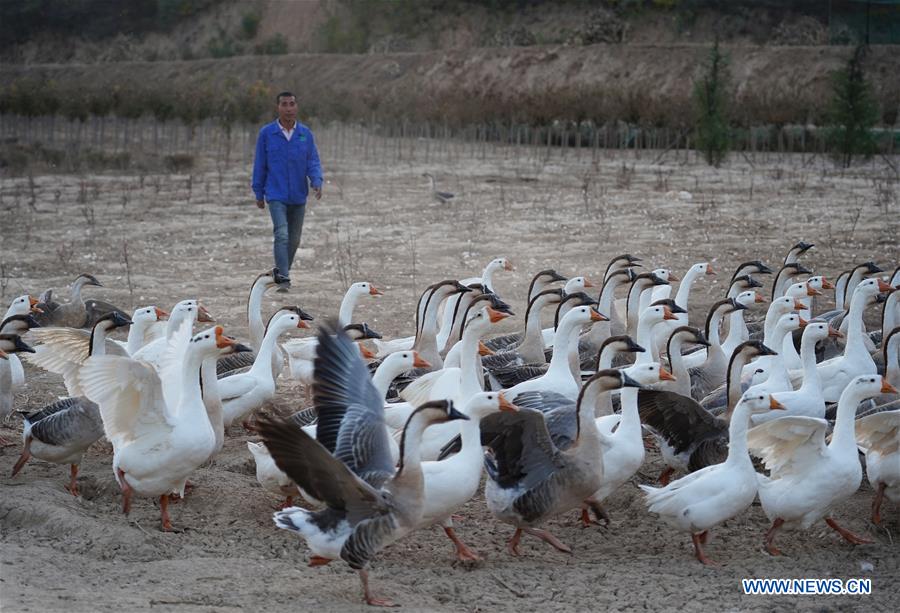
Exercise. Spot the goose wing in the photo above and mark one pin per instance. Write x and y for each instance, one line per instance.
(680, 420)
(879, 432)
(522, 454)
(788, 444)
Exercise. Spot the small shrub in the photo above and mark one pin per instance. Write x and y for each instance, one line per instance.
(222, 46)
(274, 45)
(250, 25)
(852, 112)
(712, 131)
(179, 162)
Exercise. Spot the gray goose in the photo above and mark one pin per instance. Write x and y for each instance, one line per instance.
(527, 347)
(539, 284)
(76, 313)
(709, 375)
(530, 478)
(796, 251)
(641, 282)
(747, 269)
(692, 437)
(785, 277)
(368, 504)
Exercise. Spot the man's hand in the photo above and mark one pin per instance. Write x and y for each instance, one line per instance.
(260, 204)
(318, 192)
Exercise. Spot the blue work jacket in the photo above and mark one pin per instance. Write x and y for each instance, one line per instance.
(283, 170)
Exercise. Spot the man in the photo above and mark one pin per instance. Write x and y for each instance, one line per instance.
(285, 166)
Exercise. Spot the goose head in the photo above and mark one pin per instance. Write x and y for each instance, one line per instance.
(751, 267)
(620, 262)
(871, 288)
(548, 276)
(802, 289)
(266, 280)
(750, 350)
(364, 288)
(790, 322)
(750, 297)
(577, 299)
(284, 320)
(583, 315)
(402, 361)
(577, 284)
(259, 450)
(23, 305)
(500, 264)
(757, 403)
(111, 321)
(867, 386)
(656, 314)
(702, 268)
(674, 308)
(820, 283)
(666, 274)
(797, 250)
(483, 404)
(148, 314)
(649, 373)
(210, 342)
(13, 343)
(620, 344)
(744, 283)
(689, 334)
(85, 279)
(784, 304)
(360, 332)
(297, 310)
(815, 331)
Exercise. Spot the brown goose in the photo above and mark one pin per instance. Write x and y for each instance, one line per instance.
(76, 313)
(528, 347)
(796, 251)
(709, 375)
(785, 277)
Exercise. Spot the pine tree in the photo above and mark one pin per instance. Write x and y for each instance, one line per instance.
(712, 132)
(852, 112)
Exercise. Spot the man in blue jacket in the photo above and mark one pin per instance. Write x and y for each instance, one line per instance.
(285, 166)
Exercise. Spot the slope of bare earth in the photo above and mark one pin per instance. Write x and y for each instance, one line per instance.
(201, 236)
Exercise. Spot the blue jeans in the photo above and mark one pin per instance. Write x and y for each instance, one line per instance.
(287, 225)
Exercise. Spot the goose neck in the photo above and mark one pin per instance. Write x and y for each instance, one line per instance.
(98, 340)
(808, 359)
(737, 436)
(348, 305)
(262, 365)
(254, 314)
(211, 399)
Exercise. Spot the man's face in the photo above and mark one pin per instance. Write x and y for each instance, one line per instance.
(287, 109)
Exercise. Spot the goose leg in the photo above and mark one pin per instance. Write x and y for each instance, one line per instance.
(599, 513)
(26, 455)
(463, 553)
(248, 426)
(72, 487)
(699, 539)
(164, 513)
(665, 476)
(126, 493)
(848, 536)
(513, 545)
(770, 537)
(370, 599)
(288, 502)
(876, 503)
(548, 538)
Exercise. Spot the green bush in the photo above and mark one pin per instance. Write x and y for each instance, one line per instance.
(711, 99)
(852, 112)
(222, 46)
(250, 25)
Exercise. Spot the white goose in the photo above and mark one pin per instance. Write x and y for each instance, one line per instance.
(703, 499)
(155, 446)
(270, 477)
(486, 280)
(778, 379)
(807, 477)
(878, 434)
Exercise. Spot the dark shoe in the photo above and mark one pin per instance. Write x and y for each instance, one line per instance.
(284, 288)
(280, 278)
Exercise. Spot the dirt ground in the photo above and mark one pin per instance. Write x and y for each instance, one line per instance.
(201, 236)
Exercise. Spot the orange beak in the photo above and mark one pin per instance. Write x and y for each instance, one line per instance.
(587, 283)
(496, 315)
(418, 362)
(667, 313)
(759, 298)
(673, 277)
(887, 388)
(803, 323)
(884, 287)
(3, 355)
(665, 375)
(832, 333)
(483, 350)
(160, 314)
(811, 291)
(597, 316)
(302, 324)
(709, 269)
(508, 266)
(203, 315)
(32, 301)
(826, 284)
(38, 310)
(223, 341)
(374, 291)
(775, 405)
(365, 352)
(506, 405)
(798, 306)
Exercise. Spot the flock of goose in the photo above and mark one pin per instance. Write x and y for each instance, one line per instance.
(557, 418)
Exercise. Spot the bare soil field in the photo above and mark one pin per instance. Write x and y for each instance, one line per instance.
(201, 236)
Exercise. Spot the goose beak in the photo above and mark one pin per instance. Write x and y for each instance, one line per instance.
(803, 323)
(506, 405)
(884, 287)
(365, 352)
(674, 277)
(826, 284)
(597, 316)
(887, 388)
(32, 301)
(203, 315)
(709, 269)
(832, 333)
(798, 306)
(302, 324)
(3, 355)
(419, 362)
(667, 314)
(508, 266)
(775, 405)
(483, 350)
(587, 283)
(811, 291)
(37, 310)
(759, 299)
(223, 341)
(160, 314)
(496, 315)
(374, 291)
(665, 375)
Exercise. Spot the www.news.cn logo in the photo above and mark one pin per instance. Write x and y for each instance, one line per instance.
(807, 586)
